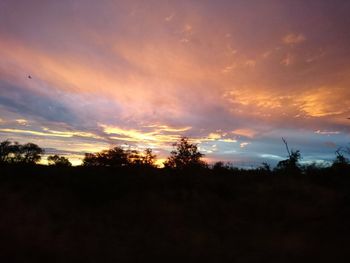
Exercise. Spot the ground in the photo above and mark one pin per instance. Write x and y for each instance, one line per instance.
(100, 215)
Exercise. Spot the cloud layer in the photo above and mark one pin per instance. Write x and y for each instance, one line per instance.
(234, 76)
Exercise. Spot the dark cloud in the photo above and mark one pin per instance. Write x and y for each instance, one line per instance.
(27, 103)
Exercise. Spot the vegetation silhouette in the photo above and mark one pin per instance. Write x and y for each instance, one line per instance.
(341, 162)
(58, 161)
(118, 207)
(28, 153)
(290, 165)
(117, 157)
(185, 156)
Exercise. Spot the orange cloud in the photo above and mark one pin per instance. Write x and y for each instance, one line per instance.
(51, 133)
(158, 136)
(245, 132)
(293, 38)
(324, 101)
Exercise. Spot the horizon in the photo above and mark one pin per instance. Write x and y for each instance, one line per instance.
(82, 76)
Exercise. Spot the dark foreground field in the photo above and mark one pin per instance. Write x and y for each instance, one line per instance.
(84, 215)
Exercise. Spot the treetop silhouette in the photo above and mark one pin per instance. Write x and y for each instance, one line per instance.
(118, 157)
(58, 161)
(185, 155)
(28, 153)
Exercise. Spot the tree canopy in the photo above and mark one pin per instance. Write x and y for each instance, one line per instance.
(28, 153)
(185, 155)
(118, 157)
(58, 160)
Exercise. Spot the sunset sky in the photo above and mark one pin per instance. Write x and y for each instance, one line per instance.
(235, 76)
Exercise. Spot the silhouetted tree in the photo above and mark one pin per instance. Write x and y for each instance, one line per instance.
(58, 161)
(290, 165)
(118, 157)
(186, 155)
(265, 167)
(115, 157)
(340, 162)
(133, 157)
(147, 158)
(29, 153)
(5, 151)
(219, 166)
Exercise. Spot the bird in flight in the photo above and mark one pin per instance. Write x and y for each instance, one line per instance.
(29, 77)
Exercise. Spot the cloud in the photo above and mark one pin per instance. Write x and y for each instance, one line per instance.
(287, 60)
(161, 135)
(169, 18)
(244, 144)
(324, 101)
(155, 71)
(22, 122)
(293, 39)
(327, 132)
(51, 133)
(250, 63)
(214, 136)
(33, 104)
(249, 133)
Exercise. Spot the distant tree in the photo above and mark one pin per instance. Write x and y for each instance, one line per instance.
(15, 153)
(340, 161)
(290, 165)
(29, 153)
(118, 157)
(115, 157)
(186, 155)
(133, 157)
(265, 167)
(58, 161)
(219, 166)
(147, 158)
(90, 159)
(5, 151)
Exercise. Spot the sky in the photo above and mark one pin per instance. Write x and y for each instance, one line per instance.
(82, 76)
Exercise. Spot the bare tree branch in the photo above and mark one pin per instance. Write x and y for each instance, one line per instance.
(285, 142)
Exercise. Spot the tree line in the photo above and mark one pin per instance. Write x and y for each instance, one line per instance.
(185, 156)
(29, 154)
